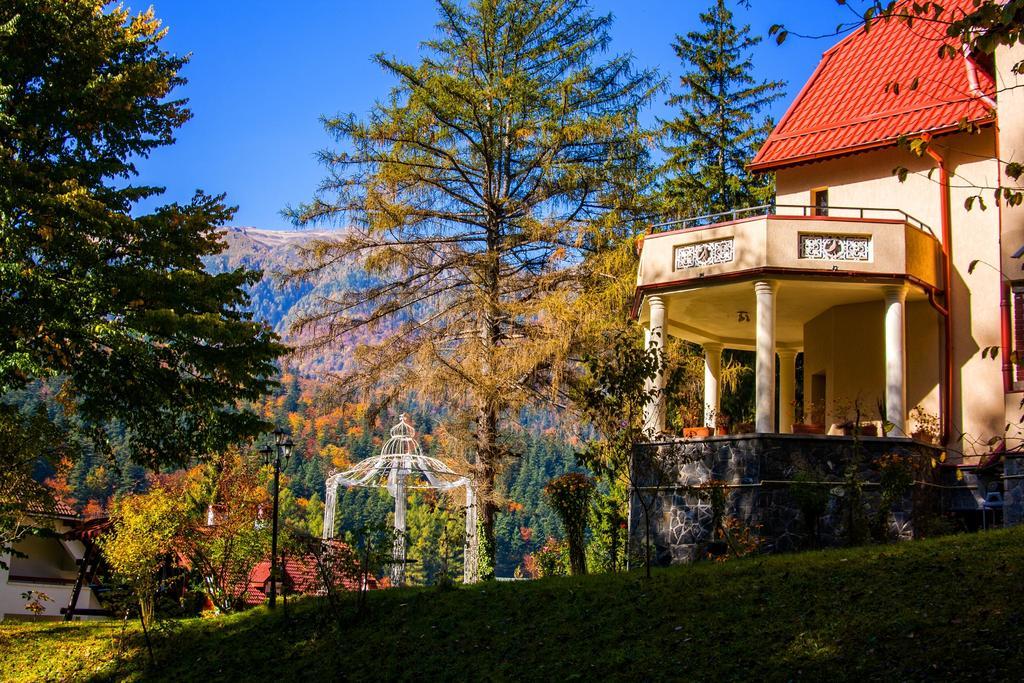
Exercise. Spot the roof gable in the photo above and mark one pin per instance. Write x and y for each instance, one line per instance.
(847, 107)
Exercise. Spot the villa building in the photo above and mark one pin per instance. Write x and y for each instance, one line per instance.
(58, 562)
(895, 296)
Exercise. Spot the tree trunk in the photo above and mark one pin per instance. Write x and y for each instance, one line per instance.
(487, 441)
(488, 406)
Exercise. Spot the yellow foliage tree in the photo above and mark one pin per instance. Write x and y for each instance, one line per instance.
(145, 530)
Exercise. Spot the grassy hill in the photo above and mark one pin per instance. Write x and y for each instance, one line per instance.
(943, 609)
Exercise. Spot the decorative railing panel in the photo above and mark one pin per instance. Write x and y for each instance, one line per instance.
(835, 247)
(703, 254)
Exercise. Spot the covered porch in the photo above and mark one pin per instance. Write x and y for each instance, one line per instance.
(848, 301)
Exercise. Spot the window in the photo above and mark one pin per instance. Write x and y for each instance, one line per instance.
(819, 199)
(1017, 326)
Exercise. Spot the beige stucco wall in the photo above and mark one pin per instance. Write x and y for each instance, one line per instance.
(867, 180)
(847, 344)
(1010, 96)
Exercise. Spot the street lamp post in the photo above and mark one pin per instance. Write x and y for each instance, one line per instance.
(282, 447)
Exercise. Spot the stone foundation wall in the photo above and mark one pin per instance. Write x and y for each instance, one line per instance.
(758, 471)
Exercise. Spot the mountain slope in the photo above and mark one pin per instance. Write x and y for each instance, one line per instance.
(274, 252)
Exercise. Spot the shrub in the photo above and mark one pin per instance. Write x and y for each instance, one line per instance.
(570, 495)
(811, 497)
(551, 560)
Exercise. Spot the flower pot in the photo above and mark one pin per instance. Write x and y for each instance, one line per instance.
(808, 429)
(696, 432)
(924, 437)
(869, 429)
(721, 431)
(744, 428)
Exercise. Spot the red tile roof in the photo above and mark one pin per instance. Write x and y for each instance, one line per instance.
(844, 107)
(59, 509)
(90, 529)
(299, 575)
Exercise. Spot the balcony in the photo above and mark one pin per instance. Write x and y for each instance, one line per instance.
(787, 280)
(779, 241)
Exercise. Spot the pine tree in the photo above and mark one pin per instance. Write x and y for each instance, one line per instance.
(117, 305)
(475, 194)
(717, 131)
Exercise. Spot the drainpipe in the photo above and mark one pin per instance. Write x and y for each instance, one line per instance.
(972, 79)
(1005, 297)
(947, 278)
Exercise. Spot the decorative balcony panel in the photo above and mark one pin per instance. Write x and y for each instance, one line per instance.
(835, 247)
(704, 254)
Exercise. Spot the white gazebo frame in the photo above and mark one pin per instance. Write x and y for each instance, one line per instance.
(401, 466)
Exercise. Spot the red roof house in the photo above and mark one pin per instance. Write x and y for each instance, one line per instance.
(299, 575)
(863, 273)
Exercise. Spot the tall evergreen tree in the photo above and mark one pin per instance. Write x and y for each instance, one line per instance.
(474, 194)
(718, 129)
(119, 305)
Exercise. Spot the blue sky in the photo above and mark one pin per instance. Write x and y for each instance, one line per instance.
(262, 73)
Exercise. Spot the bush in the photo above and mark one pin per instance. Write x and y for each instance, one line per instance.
(570, 495)
(551, 560)
(812, 498)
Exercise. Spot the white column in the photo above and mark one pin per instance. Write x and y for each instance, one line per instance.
(712, 382)
(764, 365)
(787, 390)
(895, 360)
(471, 556)
(654, 414)
(398, 550)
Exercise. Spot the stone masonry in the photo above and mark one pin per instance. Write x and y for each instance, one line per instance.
(758, 470)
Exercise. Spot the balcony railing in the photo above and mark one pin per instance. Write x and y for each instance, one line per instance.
(789, 210)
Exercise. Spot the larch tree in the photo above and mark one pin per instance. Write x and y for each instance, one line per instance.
(114, 302)
(474, 197)
(719, 126)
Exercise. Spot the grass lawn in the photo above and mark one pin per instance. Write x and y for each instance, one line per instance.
(943, 609)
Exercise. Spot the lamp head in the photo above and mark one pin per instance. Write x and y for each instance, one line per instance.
(266, 452)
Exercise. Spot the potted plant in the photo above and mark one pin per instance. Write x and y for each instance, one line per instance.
(926, 425)
(865, 428)
(721, 424)
(803, 428)
(694, 432)
(813, 418)
(697, 432)
(745, 427)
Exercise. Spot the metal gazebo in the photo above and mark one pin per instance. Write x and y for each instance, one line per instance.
(401, 466)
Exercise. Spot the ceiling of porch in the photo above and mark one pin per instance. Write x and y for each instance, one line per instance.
(725, 313)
